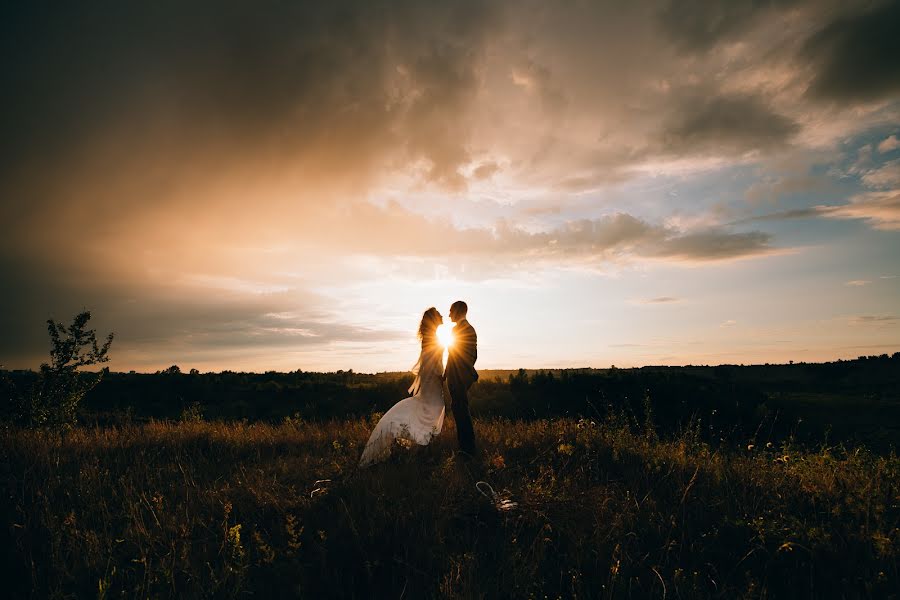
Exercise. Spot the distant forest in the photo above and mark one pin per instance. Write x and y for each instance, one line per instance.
(844, 401)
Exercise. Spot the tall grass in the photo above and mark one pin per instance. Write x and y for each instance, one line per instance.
(214, 509)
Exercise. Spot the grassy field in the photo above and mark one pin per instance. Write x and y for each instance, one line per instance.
(215, 509)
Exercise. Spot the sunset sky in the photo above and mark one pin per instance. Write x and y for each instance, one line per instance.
(277, 185)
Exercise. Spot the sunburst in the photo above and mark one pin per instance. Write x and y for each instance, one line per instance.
(445, 335)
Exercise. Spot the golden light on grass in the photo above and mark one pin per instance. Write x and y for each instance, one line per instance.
(445, 335)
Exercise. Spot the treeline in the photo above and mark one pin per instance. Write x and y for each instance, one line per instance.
(229, 395)
(855, 400)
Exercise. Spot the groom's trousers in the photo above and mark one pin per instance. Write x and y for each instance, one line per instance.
(459, 404)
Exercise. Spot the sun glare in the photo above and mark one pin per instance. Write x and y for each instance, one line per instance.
(445, 334)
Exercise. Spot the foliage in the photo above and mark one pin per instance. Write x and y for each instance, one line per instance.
(585, 508)
(194, 412)
(53, 398)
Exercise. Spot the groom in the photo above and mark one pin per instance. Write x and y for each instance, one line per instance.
(460, 374)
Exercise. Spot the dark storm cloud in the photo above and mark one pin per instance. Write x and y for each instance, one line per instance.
(343, 84)
(292, 75)
(857, 57)
(727, 123)
(698, 25)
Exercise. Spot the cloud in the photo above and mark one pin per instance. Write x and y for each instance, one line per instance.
(716, 244)
(774, 188)
(196, 168)
(874, 320)
(537, 79)
(880, 210)
(698, 25)
(730, 123)
(622, 235)
(157, 322)
(350, 90)
(858, 282)
(796, 213)
(728, 323)
(337, 83)
(486, 170)
(660, 300)
(611, 237)
(885, 176)
(857, 56)
(218, 287)
(888, 144)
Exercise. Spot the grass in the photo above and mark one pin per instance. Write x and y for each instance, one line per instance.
(216, 509)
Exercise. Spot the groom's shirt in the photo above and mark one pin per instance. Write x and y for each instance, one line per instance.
(463, 354)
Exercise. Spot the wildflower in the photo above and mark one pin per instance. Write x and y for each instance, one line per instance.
(267, 555)
(567, 449)
(233, 537)
(293, 532)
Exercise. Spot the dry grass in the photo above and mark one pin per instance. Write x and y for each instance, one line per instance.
(199, 509)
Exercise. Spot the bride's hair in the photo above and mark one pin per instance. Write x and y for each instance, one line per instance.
(428, 326)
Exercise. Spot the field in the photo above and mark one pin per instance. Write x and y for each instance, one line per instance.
(585, 508)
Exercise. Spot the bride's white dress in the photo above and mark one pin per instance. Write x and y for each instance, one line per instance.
(418, 418)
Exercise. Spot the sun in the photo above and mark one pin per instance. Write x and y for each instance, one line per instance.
(445, 335)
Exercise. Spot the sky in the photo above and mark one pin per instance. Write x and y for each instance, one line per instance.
(277, 185)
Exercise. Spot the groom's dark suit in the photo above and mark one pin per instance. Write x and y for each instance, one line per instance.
(461, 374)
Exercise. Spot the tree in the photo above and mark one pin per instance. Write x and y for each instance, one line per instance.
(59, 388)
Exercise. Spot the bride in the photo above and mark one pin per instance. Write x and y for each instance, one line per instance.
(420, 417)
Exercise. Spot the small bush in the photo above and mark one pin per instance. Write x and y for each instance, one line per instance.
(53, 398)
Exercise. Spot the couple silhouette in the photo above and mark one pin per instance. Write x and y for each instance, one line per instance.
(420, 417)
